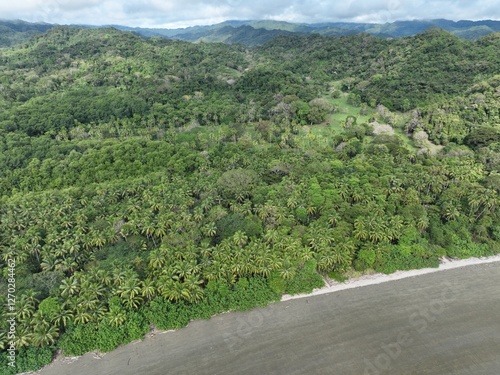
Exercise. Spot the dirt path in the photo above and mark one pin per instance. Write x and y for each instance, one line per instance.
(438, 324)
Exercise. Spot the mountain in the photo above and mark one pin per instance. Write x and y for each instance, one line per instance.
(245, 31)
(462, 29)
(256, 32)
(240, 35)
(17, 31)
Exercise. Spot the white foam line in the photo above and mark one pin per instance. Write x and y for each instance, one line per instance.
(380, 278)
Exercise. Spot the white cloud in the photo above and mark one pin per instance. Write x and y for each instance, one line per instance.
(190, 12)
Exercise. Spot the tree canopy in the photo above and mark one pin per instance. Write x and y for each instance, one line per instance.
(150, 181)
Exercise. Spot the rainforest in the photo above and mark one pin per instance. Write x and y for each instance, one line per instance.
(146, 182)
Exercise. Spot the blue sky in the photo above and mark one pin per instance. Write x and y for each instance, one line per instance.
(182, 13)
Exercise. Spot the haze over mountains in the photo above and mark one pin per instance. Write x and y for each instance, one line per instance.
(255, 32)
(258, 31)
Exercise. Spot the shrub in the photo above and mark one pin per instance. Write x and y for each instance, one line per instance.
(305, 280)
(27, 359)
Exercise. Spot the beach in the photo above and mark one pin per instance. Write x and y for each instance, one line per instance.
(432, 321)
(378, 278)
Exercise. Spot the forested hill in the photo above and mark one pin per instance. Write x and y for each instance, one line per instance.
(16, 31)
(154, 181)
(257, 32)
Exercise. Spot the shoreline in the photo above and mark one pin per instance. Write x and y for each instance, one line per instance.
(333, 287)
(379, 278)
(383, 313)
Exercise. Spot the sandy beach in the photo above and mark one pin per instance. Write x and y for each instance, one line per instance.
(443, 323)
(378, 278)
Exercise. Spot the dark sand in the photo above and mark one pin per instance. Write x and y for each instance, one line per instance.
(442, 323)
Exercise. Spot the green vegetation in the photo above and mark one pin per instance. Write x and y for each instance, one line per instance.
(15, 32)
(257, 32)
(150, 181)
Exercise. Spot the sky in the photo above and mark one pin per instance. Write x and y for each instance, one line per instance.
(183, 13)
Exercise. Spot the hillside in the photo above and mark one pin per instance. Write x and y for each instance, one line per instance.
(257, 32)
(16, 31)
(150, 181)
(243, 31)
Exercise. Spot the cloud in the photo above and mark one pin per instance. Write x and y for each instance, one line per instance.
(183, 13)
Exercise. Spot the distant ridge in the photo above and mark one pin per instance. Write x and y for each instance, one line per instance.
(17, 31)
(234, 31)
(255, 32)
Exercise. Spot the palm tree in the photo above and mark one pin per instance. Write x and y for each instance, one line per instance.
(82, 316)
(326, 260)
(12, 253)
(485, 198)
(44, 336)
(87, 300)
(364, 227)
(68, 265)
(236, 268)
(70, 247)
(304, 253)
(98, 239)
(157, 259)
(248, 260)
(266, 210)
(422, 222)
(214, 272)
(209, 230)
(288, 270)
(449, 211)
(127, 229)
(292, 202)
(358, 195)
(166, 220)
(50, 263)
(205, 249)
(69, 287)
(129, 289)
(3, 340)
(275, 262)
(116, 316)
(160, 231)
(62, 316)
(148, 289)
(23, 336)
(118, 277)
(333, 219)
(174, 291)
(240, 238)
(31, 296)
(95, 289)
(396, 224)
(342, 255)
(133, 302)
(192, 283)
(271, 236)
(265, 269)
(344, 192)
(207, 203)
(24, 308)
(198, 214)
(103, 277)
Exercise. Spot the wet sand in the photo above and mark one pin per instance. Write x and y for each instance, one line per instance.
(442, 323)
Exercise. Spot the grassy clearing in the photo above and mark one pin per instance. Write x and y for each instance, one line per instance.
(333, 123)
(406, 139)
(345, 109)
